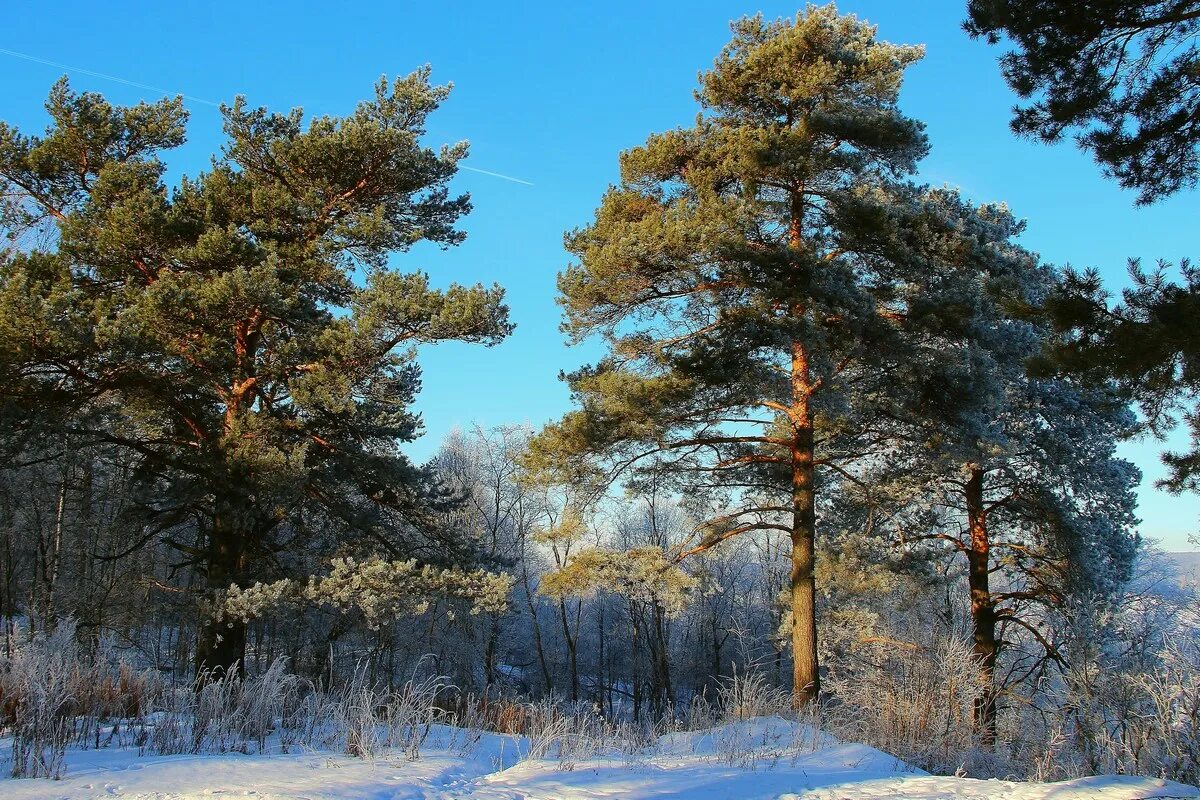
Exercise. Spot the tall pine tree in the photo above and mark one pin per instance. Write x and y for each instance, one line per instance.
(750, 274)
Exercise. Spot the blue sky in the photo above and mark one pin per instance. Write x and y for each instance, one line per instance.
(549, 93)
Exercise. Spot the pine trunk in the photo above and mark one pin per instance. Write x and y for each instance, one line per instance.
(491, 655)
(661, 672)
(806, 680)
(537, 627)
(601, 674)
(983, 610)
(221, 646)
(635, 658)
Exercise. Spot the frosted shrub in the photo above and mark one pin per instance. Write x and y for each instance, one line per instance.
(170, 734)
(1173, 732)
(1129, 699)
(356, 718)
(213, 724)
(264, 697)
(54, 696)
(1143, 721)
(38, 686)
(589, 735)
(367, 720)
(229, 714)
(634, 739)
(751, 731)
(701, 714)
(411, 713)
(306, 722)
(469, 722)
(913, 702)
(750, 695)
(545, 727)
(568, 733)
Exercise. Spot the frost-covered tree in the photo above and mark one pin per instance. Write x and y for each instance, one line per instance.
(652, 587)
(1121, 76)
(240, 335)
(1017, 474)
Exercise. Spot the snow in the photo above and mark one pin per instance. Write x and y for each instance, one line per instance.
(764, 759)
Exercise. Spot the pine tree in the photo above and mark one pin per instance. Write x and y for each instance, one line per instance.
(240, 335)
(1119, 74)
(1146, 342)
(1018, 474)
(748, 273)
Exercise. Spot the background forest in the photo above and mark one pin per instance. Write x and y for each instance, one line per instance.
(847, 449)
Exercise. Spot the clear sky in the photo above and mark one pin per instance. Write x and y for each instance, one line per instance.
(549, 93)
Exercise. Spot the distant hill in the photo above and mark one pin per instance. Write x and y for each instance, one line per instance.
(1186, 563)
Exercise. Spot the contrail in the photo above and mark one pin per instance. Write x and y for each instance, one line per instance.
(95, 74)
(494, 174)
(147, 86)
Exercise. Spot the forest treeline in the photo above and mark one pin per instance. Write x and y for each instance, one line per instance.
(848, 436)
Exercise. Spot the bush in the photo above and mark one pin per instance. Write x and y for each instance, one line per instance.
(53, 696)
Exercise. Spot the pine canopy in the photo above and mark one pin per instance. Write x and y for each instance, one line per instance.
(241, 334)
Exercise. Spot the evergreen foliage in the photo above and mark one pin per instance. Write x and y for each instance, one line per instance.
(830, 394)
(760, 278)
(1121, 75)
(240, 336)
(1018, 474)
(1148, 343)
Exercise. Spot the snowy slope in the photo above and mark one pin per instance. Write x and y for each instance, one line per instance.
(775, 760)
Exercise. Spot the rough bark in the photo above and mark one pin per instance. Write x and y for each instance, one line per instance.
(806, 681)
(983, 609)
(221, 647)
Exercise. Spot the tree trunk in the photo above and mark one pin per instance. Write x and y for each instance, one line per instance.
(572, 650)
(490, 654)
(635, 658)
(8, 596)
(605, 699)
(806, 681)
(533, 619)
(221, 646)
(983, 609)
(714, 678)
(54, 556)
(660, 674)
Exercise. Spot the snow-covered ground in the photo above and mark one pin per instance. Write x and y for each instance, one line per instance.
(767, 759)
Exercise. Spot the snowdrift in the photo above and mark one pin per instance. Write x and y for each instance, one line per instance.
(763, 759)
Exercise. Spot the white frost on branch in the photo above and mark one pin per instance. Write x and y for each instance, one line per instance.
(380, 590)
